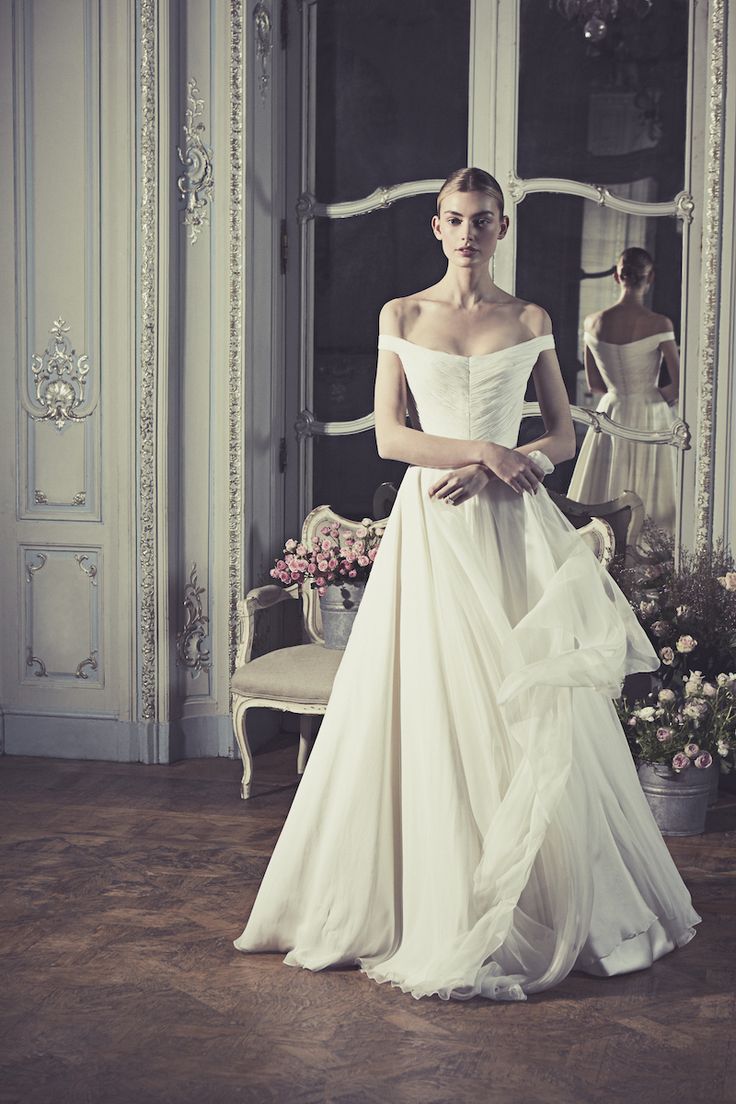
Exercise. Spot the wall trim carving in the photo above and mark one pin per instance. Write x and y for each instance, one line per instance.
(147, 357)
(263, 35)
(90, 661)
(236, 325)
(191, 652)
(711, 246)
(59, 382)
(197, 181)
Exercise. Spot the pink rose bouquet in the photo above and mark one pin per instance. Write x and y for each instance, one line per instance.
(334, 558)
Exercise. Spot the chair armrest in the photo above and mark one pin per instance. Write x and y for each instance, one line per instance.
(599, 537)
(259, 598)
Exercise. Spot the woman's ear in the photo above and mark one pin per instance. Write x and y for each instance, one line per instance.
(616, 276)
(436, 227)
(503, 227)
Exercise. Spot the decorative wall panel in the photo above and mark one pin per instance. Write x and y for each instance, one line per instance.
(60, 638)
(57, 139)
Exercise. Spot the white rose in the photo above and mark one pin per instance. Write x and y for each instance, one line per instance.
(646, 713)
(724, 746)
(666, 695)
(709, 690)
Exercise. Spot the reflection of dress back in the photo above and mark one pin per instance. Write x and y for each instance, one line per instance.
(609, 465)
(630, 369)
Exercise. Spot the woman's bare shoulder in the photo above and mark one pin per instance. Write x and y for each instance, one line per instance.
(399, 314)
(591, 322)
(534, 318)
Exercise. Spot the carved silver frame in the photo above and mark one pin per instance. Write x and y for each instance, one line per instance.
(236, 323)
(711, 256)
(147, 357)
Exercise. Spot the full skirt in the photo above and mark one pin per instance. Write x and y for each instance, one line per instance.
(607, 466)
(470, 821)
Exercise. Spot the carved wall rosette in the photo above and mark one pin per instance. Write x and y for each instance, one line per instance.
(197, 180)
(60, 380)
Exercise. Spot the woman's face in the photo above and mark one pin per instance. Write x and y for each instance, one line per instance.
(469, 226)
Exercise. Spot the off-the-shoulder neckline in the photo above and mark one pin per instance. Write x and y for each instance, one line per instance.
(472, 356)
(625, 344)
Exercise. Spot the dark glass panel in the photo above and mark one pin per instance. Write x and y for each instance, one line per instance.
(607, 112)
(392, 93)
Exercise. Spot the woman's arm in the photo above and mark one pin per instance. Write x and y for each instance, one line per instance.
(558, 442)
(593, 378)
(397, 441)
(671, 390)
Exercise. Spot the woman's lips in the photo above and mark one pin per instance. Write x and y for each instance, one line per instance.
(467, 252)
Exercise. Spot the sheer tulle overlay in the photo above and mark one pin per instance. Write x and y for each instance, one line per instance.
(607, 465)
(470, 821)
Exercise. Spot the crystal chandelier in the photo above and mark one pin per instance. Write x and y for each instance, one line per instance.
(594, 16)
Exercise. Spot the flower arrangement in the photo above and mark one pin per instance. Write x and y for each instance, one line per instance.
(336, 557)
(688, 611)
(693, 728)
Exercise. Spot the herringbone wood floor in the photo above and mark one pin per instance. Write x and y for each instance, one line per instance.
(123, 886)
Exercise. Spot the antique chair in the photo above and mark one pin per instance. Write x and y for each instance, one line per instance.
(294, 680)
(299, 679)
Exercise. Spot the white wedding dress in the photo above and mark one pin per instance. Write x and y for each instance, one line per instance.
(607, 466)
(470, 821)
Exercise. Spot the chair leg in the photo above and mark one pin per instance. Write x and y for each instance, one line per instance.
(240, 708)
(306, 739)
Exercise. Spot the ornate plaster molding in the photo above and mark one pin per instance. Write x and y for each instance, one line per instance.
(87, 567)
(32, 660)
(263, 36)
(59, 382)
(90, 661)
(191, 652)
(32, 568)
(42, 499)
(681, 206)
(236, 322)
(197, 180)
(711, 252)
(148, 315)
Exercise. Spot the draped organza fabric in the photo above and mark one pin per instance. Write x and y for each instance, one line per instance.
(470, 821)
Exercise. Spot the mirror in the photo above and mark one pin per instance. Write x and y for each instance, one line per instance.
(613, 113)
(567, 247)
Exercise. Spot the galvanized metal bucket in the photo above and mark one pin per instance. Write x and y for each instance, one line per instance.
(338, 607)
(679, 801)
(715, 773)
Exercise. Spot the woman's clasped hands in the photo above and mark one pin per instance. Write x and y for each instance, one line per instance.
(511, 467)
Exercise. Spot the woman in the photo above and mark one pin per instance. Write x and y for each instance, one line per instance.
(624, 347)
(470, 820)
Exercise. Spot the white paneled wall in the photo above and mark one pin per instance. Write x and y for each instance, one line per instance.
(67, 296)
(140, 413)
(121, 482)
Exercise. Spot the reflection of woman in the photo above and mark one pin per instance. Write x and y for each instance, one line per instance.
(470, 821)
(624, 346)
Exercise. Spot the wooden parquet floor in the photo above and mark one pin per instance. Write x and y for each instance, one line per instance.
(123, 886)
